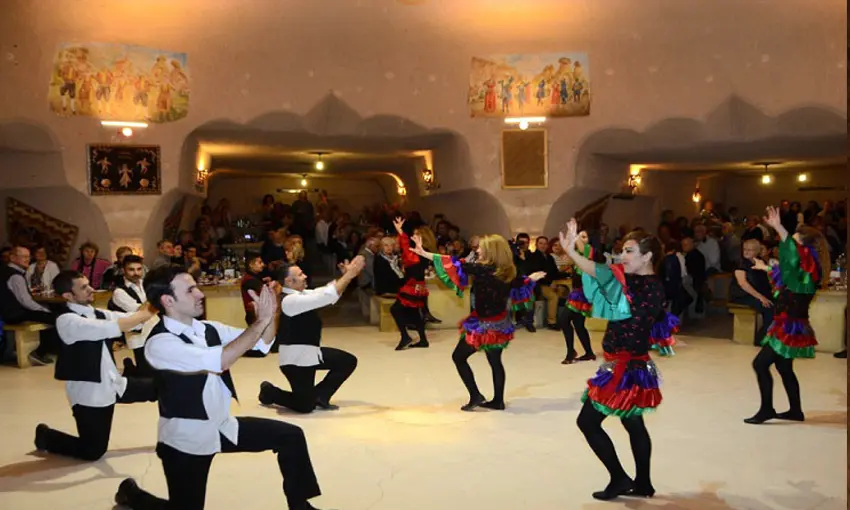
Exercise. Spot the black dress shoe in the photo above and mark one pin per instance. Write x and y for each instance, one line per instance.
(531, 328)
(263, 397)
(491, 404)
(325, 405)
(615, 490)
(432, 320)
(40, 437)
(791, 416)
(127, 487)
(640, 491)
(403, 344)
(421, 344)
(473, 403)
(760, 417)
(841, 355)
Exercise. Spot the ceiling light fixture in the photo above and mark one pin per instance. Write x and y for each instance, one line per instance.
(803, 177)
(766, 178)
(304, 180)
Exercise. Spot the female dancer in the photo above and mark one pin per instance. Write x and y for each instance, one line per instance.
(488, 328)
(803, 267)
(631, 297)
(409, 307)
(573, 315)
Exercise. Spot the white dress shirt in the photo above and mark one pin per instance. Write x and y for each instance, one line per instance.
(322, 232)
(124, 301)
(74, 328)
(47, 276)
(710, 249)
(166, 351)
(295, 303)
(20, 288)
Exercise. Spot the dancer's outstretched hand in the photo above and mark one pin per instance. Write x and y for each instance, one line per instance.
(772, 219)
(416, 245)
(265, 304)
(537, 276)
(398, 223)
(569, 236)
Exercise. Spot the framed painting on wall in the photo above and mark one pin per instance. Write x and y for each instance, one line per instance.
(525, 160)
(124, 170)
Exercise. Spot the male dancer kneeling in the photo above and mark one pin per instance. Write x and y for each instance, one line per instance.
(191, 360)
(299, 335)
(85, 363)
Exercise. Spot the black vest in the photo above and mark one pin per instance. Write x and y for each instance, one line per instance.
(182, 395)
(130, 292)
(80, 361)
(10, 308)
(303, 329)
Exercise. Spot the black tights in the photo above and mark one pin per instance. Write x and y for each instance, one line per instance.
(461, 355)
(572, 324)
(761, 364)
(405, 317)
(590, 423)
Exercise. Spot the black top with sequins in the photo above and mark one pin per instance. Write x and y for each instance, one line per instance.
(647, 306)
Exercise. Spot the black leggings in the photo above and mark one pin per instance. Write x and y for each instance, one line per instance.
(572, 323)
(406, 316)
(785, 367)
(590, 423)
(461, 355)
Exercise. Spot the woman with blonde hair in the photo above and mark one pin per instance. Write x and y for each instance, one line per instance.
(412, 298)
(488, 328)
(803, 268)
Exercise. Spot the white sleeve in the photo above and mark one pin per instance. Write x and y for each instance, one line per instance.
(296, 304)
(228, 334)
(166, 351)
(76, 328)
(124, 301)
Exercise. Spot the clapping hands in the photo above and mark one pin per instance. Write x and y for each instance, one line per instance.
(266, 303)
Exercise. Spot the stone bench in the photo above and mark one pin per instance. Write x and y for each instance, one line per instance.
(379, 313)
(743, 323)
(26, 339)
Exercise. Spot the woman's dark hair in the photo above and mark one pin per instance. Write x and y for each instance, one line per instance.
(646, 244)
(250, 256)
(131, 259)
(64, 281)
(89, 244)
(268, 199)
(157, 283)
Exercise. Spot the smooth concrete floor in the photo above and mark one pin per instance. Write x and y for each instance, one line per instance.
(400, 442)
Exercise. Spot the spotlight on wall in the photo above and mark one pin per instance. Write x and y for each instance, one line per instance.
(524, 122)
(429, 179)
(803, 177)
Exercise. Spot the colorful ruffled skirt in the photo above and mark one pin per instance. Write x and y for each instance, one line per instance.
(487, 333)
(791, 337)
(413, 294)
(624, 386)
(577, 302)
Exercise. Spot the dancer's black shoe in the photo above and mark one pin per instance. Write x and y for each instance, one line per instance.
(473, 403)
(615, 489)
(761, 417)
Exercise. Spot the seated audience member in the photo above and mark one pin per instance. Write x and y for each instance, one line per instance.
(540, 260)
(751, 287)
(165, 251)
(695, 266)
(17, 304)
(114, 274)
(40, 274)
(672, 278)
(366, 278)
(90, 266)
(388, 275)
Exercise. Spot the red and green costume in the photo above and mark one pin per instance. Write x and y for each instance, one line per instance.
(627, 382)
(489, 326)
(795, 281)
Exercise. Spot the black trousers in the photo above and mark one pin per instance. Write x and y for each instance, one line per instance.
(94, 424)
(49, 338)
(305, 392)
(186, 475)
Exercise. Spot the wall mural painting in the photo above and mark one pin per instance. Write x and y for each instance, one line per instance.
(27, 226)
(119, 82)
(124, 170)
(547, 85)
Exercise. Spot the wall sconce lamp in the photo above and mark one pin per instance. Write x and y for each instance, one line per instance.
(634, 178)
(697, 196)
(429, 180)
(402, 191)
(803, 177)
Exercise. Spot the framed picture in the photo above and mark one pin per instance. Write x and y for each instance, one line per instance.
(124, 170)
(525, 160)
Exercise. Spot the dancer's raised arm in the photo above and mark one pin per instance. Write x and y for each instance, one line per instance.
(568, 242)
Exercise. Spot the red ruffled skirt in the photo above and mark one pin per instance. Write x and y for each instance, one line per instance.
(413, 294)
(624, 386)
